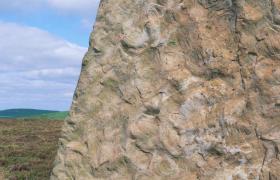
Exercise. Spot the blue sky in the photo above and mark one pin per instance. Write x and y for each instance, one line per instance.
(42, 43)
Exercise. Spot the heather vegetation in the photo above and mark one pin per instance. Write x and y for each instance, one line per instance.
(28, 148)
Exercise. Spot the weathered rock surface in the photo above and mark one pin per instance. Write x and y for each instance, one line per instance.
(177, 89)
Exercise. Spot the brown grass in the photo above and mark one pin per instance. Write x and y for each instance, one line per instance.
(28, 148)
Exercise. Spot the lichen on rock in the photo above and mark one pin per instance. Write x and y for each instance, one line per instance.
(177, 89)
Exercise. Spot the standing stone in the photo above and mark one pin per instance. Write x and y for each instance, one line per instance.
(177, 89)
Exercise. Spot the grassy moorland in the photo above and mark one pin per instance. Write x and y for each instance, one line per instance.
(28, 148)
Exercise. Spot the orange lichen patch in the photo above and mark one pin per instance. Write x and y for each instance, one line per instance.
(252, 13)
(2, 176)
(277, 3)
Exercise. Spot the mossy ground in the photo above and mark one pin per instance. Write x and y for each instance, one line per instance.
(28, 148)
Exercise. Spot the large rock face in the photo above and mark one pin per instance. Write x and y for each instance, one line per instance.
(177, 89)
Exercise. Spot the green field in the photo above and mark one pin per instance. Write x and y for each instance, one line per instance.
(50, 116)
(33, 114)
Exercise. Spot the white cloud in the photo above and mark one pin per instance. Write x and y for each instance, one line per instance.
(23, 47)
(52, 73)
(36, 67)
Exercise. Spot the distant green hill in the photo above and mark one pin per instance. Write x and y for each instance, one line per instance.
(15, 113)
(51, 116)
(33, 114)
